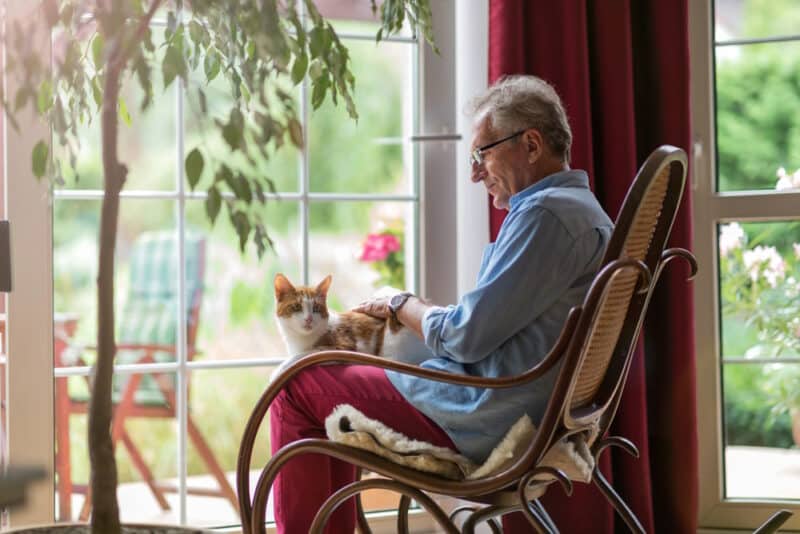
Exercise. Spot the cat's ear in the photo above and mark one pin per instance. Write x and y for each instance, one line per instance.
(322, 288)
(283, 287)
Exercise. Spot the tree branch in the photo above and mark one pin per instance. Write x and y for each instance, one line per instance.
(122, 56)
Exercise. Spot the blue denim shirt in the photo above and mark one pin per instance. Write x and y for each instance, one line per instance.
(541, 265)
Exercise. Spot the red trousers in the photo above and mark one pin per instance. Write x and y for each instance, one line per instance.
(299, 411)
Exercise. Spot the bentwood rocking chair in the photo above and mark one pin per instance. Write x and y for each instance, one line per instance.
(594, 350)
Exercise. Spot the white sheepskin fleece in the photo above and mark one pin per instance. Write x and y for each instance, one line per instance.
(349, 426)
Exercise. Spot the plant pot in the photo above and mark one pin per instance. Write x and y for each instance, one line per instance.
(83, 528)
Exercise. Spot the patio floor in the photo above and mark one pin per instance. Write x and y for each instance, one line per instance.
(752, 472)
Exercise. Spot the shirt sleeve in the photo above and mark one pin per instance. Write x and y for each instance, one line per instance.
(533, 263)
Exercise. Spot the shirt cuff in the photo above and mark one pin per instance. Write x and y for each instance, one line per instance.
(432, 324)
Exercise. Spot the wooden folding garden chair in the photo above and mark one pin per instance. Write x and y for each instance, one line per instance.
(594, 350)
(147, 333)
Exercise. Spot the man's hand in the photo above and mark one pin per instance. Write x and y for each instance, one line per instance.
(376, 307)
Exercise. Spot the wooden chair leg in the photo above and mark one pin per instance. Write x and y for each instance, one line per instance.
(211, 462)
(361, 519)
(616, 501)
(402, 514)
(774, 522)
(205, 452)
(63, 463)
(144, 470)
(479, 515)
(539, 523)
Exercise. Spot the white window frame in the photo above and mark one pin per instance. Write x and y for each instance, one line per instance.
(710, 208)
(449, 238)
(29, 306)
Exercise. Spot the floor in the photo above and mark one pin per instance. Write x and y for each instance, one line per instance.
(751, 472)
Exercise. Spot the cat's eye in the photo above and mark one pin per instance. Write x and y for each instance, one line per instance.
(295, 308)
(317, 308)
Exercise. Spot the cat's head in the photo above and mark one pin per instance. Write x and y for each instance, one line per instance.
(301, 309)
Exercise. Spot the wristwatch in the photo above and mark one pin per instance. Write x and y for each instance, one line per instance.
(397, 302)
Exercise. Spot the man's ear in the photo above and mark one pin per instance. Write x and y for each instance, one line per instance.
(283, 287)
(534, 144)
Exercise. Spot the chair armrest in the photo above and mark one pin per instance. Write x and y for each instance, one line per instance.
(341, 356)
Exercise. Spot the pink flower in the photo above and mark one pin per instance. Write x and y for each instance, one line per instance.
(378, 246)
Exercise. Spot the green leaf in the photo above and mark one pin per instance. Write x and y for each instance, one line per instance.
(97, 92)
(44, 100)
(318, 93)
(171, 66)
(295, 132)
(98, 44)
(39, 159)
(320, 41)
(213, 204)
(299, 68)
(233, 131)
(211, 64)
(123, 112)
(196, 32)
(243, 191)
(194, 167)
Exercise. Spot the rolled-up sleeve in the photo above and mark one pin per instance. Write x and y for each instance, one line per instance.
(532, 263)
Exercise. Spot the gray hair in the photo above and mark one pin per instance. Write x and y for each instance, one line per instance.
(519, 102)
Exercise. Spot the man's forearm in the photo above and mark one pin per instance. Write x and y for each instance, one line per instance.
(411, 315)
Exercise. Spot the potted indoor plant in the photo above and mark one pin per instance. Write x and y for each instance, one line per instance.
(98, 44)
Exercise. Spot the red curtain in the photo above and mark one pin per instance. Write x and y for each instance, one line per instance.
(622, 69)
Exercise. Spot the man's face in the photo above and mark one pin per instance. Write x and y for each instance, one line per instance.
(505, 168)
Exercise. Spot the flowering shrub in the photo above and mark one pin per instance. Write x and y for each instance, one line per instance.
(759, 285)
(384, 250)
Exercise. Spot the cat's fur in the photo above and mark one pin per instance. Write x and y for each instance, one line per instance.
(307, 325)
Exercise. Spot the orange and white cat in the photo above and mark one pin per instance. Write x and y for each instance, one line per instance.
(307, 325)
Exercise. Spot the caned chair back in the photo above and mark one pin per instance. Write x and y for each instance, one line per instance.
(640, 234)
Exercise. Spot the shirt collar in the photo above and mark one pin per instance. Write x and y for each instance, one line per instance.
(571, 178)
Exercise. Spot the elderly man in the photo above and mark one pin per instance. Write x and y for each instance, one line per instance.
(545, 256)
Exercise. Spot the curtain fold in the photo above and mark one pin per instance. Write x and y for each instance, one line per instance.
(622, 70)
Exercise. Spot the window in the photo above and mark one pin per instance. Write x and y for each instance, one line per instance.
(215, 305)
(745, 59)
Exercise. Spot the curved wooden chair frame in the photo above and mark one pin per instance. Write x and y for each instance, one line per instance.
(594, 349)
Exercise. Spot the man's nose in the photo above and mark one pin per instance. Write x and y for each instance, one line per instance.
(477, 173)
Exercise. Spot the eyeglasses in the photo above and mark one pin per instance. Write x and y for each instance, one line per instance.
(476, 157)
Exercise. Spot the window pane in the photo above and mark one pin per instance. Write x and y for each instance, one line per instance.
(761, 456)
(364, 245)
(202, 132)
(146, 263)
(748, 19)
(146, 452)
(353, 17)
(759, 271)
(219, 405)
(147, 146)
(373, 155)
(237, 315)
(758, 102)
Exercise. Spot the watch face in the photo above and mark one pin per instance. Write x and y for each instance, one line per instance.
(397, 301)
